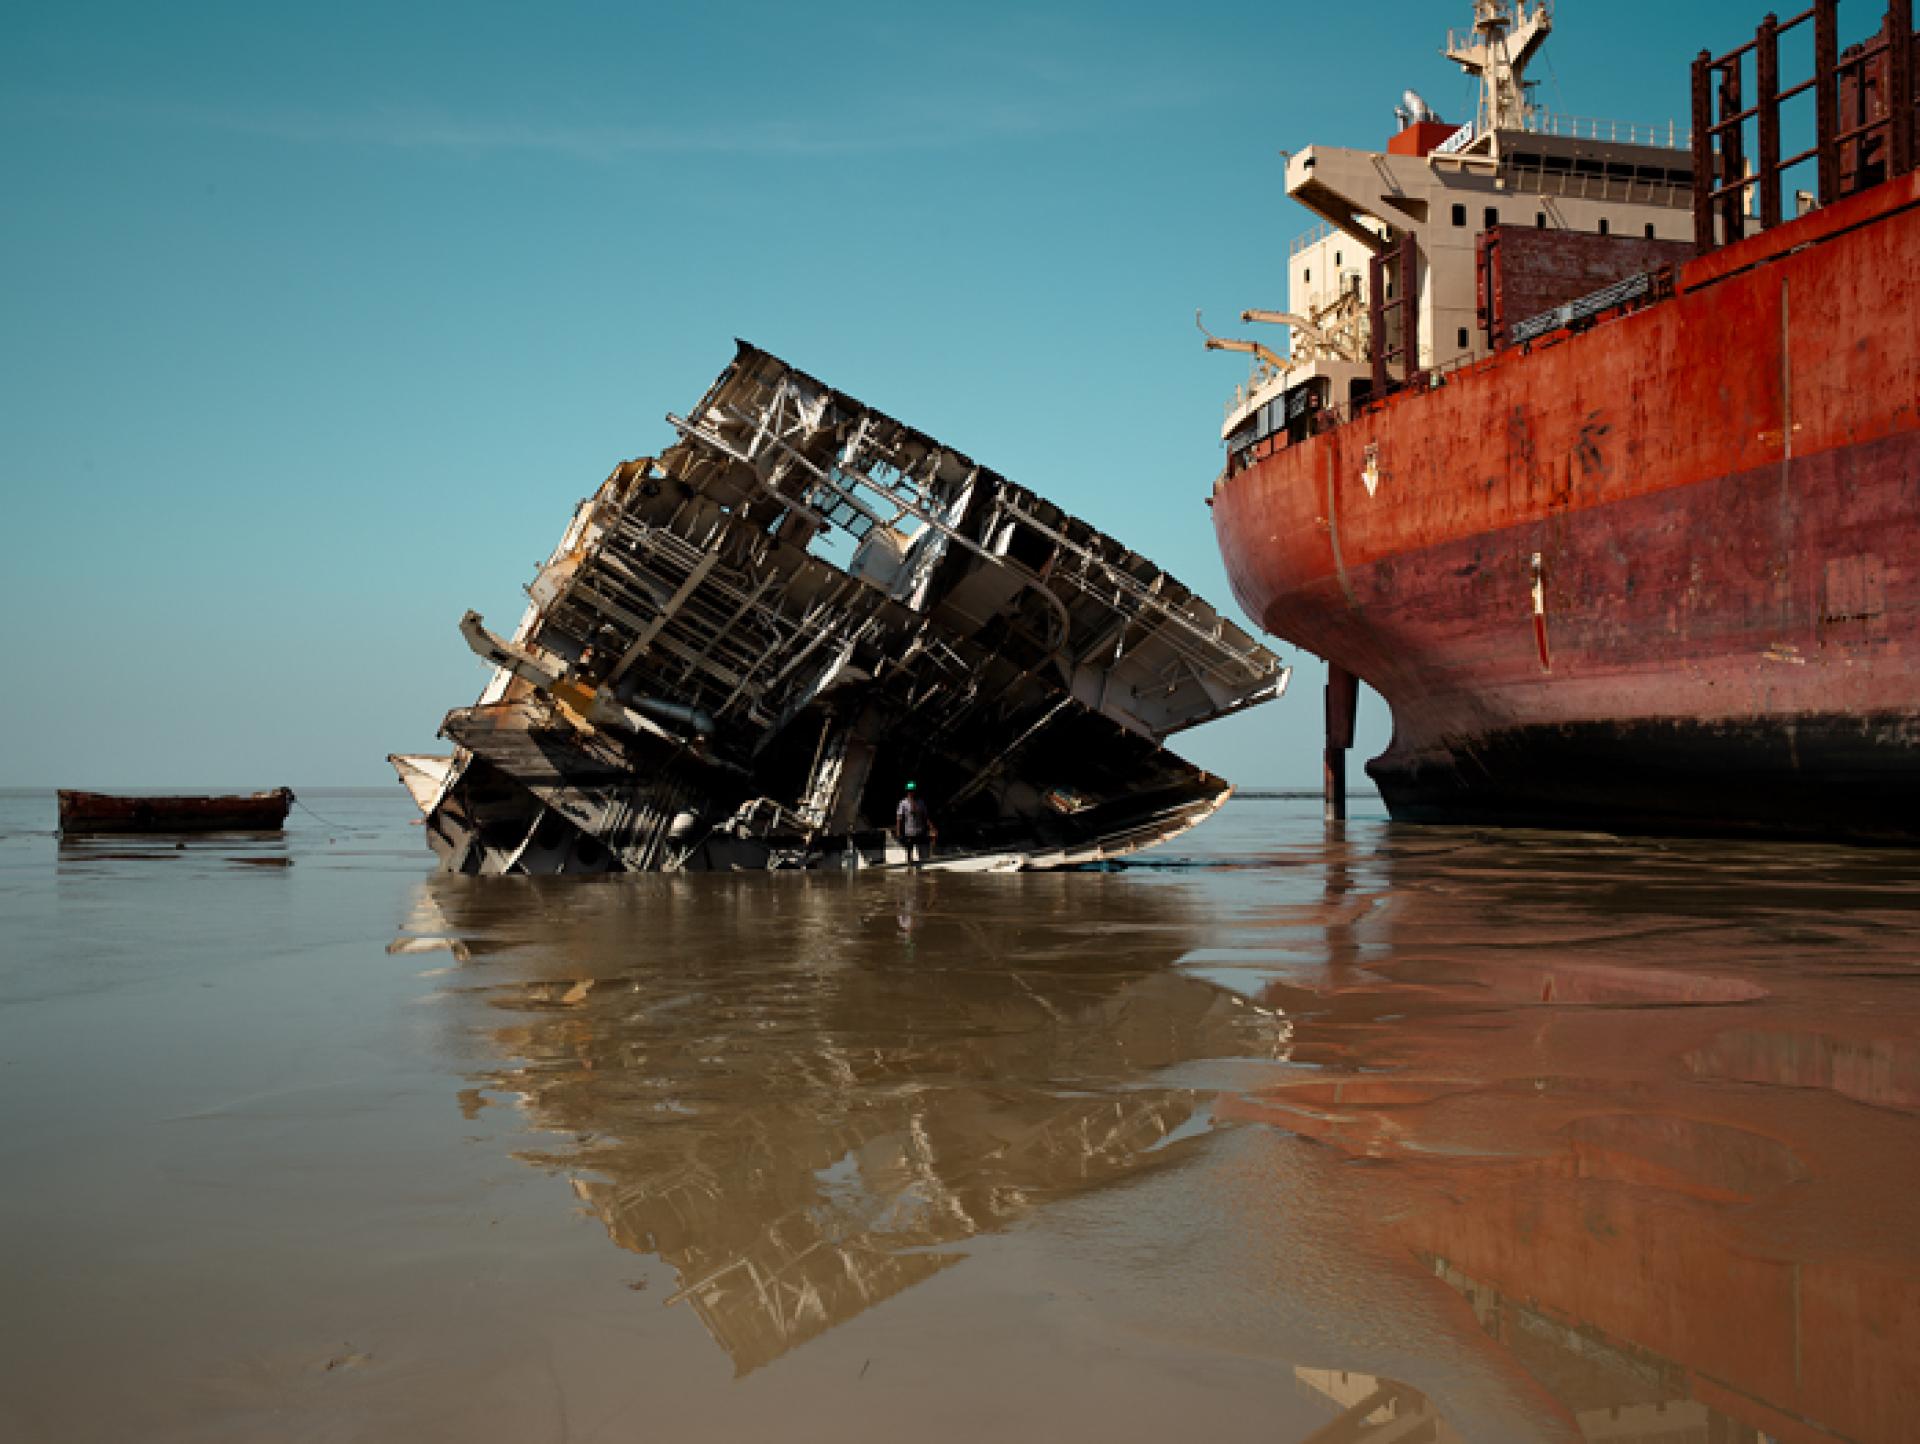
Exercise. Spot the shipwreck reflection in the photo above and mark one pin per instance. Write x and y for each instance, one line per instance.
(803, 1093)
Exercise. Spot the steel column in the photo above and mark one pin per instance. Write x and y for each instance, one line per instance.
(1733, 154)
(1703, 151)
(1767, 100)
(1826, 97)
(1410, 305)
(1343, 703)
(1377, 321)
(1900, 147)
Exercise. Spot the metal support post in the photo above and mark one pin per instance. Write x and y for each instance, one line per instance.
(1767, 103)
(1703, 152)
(1826, 97)
(1901, 146)
(1343, 700)
(1733, 153)
(1410, 305)
(1377, 321)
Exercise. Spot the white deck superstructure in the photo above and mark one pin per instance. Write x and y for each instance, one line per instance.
(1512, 164)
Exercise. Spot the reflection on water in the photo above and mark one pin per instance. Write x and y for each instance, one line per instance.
(97, 855)
(1373, 1410)
(1650, 1112)
(803, 1092)
(1645, 1117)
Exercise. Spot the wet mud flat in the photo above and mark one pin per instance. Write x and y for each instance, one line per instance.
(1388, 1134)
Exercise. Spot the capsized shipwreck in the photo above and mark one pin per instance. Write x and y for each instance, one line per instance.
(742, 650)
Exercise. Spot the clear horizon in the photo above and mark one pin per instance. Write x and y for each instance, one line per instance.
(322, 319)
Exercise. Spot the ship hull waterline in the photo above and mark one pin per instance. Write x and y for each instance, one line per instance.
(1660, 576)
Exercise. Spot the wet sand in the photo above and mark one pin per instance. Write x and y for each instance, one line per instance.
(1473, 1136)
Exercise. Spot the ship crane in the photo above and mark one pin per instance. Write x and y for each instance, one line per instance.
(1287, 318)
(1253, 348)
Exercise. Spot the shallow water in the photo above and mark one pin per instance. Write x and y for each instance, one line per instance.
(1489, 1137)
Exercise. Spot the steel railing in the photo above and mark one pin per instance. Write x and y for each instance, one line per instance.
(1583, 127)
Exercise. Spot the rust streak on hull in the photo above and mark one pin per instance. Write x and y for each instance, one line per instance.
(1722, 495)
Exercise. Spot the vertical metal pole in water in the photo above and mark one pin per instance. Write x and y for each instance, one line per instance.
(1343, 700)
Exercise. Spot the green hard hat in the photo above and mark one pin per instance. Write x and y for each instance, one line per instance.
(911, 786)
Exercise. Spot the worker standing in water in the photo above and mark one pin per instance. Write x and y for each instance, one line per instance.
(914, 827)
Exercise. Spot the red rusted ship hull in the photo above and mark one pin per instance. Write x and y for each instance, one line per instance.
(1663, 574)
(85, 812)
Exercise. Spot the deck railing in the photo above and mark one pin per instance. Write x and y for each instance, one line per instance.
(1312, 236)
(1585, 127)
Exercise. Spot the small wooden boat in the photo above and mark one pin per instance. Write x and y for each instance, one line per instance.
(82, 812)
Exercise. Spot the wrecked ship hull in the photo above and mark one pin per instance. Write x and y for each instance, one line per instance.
(741, 651)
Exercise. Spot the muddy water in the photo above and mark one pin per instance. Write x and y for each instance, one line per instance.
(1468, 1136)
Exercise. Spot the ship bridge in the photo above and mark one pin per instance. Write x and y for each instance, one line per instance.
(1400, 236)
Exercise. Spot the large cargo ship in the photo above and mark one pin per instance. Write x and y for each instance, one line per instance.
(1596, 447)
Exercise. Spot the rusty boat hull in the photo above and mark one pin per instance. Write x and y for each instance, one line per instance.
(1661, 574)
(101, 812)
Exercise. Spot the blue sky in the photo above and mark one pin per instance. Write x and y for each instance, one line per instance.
(319, 319)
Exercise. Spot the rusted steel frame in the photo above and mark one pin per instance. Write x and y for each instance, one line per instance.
(1826, 75)
(1410, 304)
(1733, 218)
(1863, 53)
(1703, 153)
(1862, 131)
(1723, 189)
(1900, 99)
(1377, 320)
(1767, 103)
(1407, 303)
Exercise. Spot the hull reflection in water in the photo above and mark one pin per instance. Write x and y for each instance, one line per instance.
(805, 1116)
(1532, 1137)
(1651, 1112)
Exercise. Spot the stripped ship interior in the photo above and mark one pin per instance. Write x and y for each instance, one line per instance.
(742, 651)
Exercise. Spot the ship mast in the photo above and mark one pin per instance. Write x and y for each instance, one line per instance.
(1506, 35)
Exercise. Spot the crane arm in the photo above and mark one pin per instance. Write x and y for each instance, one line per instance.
(1287, 318)
(1253, 348)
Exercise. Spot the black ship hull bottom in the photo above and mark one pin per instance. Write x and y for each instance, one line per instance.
(1832, 778)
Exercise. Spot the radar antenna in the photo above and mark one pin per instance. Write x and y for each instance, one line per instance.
(1505, 37)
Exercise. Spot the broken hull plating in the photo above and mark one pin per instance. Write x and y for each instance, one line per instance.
(740, 654)
(483, 828)
(1663, 575)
